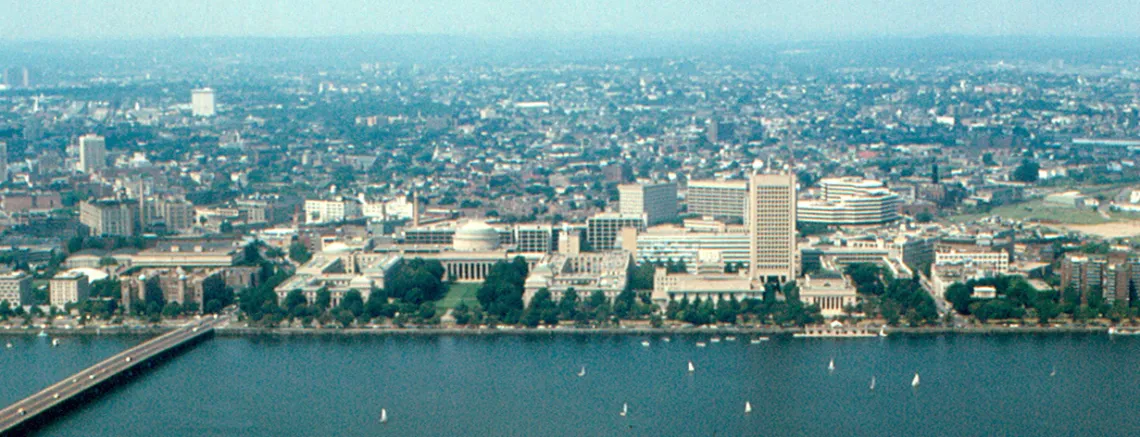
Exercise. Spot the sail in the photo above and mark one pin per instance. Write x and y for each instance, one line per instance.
(914, 382)
(691, 368)
(747, 407)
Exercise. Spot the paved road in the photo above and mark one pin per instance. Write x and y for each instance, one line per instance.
(43, 400)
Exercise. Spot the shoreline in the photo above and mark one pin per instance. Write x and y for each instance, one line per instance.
(572, 331)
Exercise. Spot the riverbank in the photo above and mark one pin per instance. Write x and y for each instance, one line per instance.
(665, 331)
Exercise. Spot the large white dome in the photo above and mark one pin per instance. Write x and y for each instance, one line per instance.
(476, 236)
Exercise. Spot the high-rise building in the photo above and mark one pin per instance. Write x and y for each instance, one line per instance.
(657, 201)
(720, 199)
(3, 162)
(535, 238)
(92, 153)
(772, 225)
(109, 217)
(202, 102)
(16, 288)
(602, 230)
(68, 287)
(19, 77)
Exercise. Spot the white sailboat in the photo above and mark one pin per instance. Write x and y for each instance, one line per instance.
(8, 345)
(42, 334)
(914, 382)
(1054, 372)
(747, 407)
(666, 339)
(582, 372)
(645, 343)
(831, 365)
(383, 415)
(55, 342)
(691, 368)
(701, 344)
(872, 383)
(883, 331)
(624, 409)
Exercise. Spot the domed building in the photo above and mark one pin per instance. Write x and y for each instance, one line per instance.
(476, 236)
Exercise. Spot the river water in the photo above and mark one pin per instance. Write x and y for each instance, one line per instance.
(528, 386)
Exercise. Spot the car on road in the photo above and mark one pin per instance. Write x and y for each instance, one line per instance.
(21, 412)
(55, 396)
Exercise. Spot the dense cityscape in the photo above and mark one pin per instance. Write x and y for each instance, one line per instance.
(776, 190)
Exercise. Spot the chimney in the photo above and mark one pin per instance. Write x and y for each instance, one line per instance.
(415, 210)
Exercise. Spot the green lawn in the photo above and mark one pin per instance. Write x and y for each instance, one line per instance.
(464, 292)
(1037, 209)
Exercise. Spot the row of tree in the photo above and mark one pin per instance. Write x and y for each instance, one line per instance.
(891, 298)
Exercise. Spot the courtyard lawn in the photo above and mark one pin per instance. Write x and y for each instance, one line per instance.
(459, 292)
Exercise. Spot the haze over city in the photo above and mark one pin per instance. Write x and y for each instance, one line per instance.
(670, 19)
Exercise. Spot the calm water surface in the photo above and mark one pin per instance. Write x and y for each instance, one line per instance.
(516, 386)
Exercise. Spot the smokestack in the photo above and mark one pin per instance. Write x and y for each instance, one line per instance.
(415, 210)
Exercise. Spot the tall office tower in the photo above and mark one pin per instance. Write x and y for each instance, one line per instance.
(772, 225)
(92, 153)
(657, 201)
(202, 102)
(719, 199)
(3, 162)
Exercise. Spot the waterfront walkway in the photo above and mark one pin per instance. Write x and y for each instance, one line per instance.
(17, 415)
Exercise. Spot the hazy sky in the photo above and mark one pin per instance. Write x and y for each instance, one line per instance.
(779, 19)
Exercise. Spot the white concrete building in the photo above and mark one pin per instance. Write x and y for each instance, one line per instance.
(332, 210)
(202, 102)
(68, 287)
(92, 153)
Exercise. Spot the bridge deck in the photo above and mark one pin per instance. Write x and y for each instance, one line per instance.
(56, 394)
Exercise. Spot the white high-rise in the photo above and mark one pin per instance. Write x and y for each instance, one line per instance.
(202, 102)
(772, 226)
(92, 153)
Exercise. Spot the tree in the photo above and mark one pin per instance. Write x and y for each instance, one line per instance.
(353, 302)
(502, 290)
(172, 310)
(958, 295)
(294, 299)
(152, 295)
(344, 317)
(214, 289)
(1026, 172)
(568, 306)
(226, 227)
(324, 299)
(924, 217)
(299, 253)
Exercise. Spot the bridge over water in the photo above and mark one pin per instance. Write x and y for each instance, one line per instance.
(45, 404)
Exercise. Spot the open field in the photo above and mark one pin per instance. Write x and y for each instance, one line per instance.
(1119, 229)
(1038, 210)
(464, 292)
